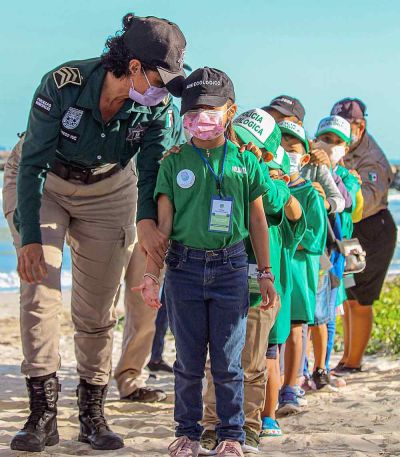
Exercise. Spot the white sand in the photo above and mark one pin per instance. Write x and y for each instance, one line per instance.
(363, 420)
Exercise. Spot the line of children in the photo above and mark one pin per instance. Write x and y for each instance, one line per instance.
(243, 226)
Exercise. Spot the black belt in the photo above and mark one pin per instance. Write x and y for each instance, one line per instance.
(85, 175)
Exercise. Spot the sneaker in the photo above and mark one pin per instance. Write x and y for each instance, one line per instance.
(146, 395)
(229, 449)
(322, 382)
(208, 442)
(270, 427)
(162, 365)
(301, 395)
(288, 403)
(184, 447)
(252, 442)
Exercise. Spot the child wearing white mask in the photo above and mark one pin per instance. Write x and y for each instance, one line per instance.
(305, 265)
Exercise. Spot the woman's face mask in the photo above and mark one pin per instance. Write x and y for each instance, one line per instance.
(151, 97)
(204, 124)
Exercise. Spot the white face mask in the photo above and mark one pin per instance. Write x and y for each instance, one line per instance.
(337, 153)
(295, 162)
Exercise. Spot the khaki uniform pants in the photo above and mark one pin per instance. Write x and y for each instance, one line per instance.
(138, 331)
(98, 220)
(259, 324)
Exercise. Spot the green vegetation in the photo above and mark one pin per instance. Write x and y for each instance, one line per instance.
(386, 330)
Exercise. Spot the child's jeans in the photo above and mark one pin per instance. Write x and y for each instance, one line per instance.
(207, 296)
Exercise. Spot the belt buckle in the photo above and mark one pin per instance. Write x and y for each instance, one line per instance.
(211, 254)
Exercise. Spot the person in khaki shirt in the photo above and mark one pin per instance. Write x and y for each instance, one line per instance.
(376, 232)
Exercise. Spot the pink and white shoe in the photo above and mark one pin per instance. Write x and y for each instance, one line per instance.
(229, 449)
(184, 447)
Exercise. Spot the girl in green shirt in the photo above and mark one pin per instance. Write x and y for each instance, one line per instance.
(305, 265)
(209, 200)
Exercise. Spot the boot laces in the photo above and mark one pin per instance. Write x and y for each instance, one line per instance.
(37, 405)
(95, 408)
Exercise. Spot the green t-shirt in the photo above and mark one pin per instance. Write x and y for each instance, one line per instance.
(190, 186)
(274, 200)
(291, 234)
(305, 265)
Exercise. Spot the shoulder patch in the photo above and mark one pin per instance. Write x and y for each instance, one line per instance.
(67, 75)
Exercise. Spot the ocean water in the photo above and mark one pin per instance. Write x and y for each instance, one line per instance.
(9, 278)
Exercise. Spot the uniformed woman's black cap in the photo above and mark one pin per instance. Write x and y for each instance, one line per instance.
(206, 86)
(161, 44)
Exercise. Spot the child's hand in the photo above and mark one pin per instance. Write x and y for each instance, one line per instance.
(150, 291)
(268, 293)
(357, 175)
(317, 186)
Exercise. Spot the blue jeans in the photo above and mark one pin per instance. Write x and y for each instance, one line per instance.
(331, 327)
(207, 297)
(161, 330)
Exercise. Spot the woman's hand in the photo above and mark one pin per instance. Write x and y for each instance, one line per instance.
(173, 150)
(150, 292)
(268, 293)
(31, 265)
(252, 148)
(357, 175)
(152, 241)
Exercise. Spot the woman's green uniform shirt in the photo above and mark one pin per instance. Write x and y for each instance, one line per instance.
(243, 181)
(65, 123)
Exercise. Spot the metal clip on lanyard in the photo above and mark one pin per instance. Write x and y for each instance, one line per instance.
(218, 178)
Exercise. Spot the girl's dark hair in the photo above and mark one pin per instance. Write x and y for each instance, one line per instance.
(116, 56)
(230, 131)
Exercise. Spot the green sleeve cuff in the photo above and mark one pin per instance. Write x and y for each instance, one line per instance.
(30, 233)
(148, 211)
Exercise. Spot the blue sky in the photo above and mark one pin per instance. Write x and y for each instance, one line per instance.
(317, 51)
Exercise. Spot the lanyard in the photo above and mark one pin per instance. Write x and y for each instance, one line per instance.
(220, 177)
(292, 184)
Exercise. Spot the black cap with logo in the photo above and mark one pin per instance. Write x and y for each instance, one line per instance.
(351, 109)
(288, 106)
(206, 86)
(160, 44)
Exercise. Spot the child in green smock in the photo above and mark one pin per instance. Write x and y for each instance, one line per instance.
(334, 135)
(287, 234)
(305, 265)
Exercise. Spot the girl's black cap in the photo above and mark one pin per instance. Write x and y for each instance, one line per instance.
(206, 86)
(160, 44)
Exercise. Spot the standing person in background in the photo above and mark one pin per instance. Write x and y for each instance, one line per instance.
(376, 232)
(157, 363)
(88, 119)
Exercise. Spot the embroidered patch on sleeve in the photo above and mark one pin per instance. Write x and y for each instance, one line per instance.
(43, 104)
(67, 75)
(373, 176)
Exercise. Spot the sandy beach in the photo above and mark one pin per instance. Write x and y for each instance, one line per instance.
(362, 420)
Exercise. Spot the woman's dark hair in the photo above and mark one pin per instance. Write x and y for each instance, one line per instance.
(116, 56)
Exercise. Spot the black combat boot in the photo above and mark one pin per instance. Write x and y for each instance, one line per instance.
(40, 429)
(94, 429)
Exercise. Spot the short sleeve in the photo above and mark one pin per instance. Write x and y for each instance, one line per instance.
(164, 183)
(257, 184)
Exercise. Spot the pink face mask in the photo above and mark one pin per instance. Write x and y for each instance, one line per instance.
(204, 125)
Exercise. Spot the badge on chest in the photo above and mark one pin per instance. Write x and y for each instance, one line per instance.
(221, 210)
(135, 134)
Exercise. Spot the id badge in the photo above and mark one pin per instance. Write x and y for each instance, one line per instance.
(254, 287)
(220, 214)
